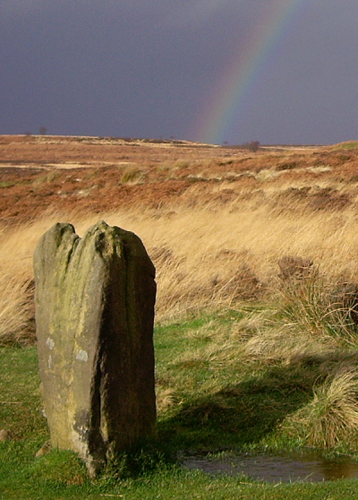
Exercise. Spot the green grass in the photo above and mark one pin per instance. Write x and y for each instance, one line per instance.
(225, 380)
(346, 145)
(219, 402)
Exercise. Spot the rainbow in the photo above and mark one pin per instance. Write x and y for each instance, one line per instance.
(224, 104)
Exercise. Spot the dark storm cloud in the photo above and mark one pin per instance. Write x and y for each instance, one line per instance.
(146, 68)
(311, 87)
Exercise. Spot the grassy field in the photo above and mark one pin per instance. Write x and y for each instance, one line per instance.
(225, 381)
(256, 330)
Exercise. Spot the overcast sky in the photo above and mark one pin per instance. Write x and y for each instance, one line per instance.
(153, 68)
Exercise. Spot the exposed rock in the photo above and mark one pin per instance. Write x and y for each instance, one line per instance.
(95, 301)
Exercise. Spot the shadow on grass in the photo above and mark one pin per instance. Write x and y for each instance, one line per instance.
(242, 415)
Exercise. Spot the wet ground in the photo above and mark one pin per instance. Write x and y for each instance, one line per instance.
(275, 469)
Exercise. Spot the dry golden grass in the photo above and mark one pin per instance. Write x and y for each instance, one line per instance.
(331, 418)
(16, 314)
(221, 257)
(216, 241)
(216, 246)
(207, 256)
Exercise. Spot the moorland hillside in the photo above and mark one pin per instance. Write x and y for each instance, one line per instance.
(216, 220)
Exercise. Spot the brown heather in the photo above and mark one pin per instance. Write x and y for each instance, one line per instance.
(215, 220)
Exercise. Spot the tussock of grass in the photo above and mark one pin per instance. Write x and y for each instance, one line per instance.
(320, 309)
(132, 175)
(16, 313)
(331, 418)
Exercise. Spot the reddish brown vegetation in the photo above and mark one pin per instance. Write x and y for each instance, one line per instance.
(39, 173)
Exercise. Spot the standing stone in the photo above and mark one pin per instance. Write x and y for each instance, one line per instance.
(95, 301)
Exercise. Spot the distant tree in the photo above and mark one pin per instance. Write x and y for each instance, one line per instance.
(225, 143)
(42, 130)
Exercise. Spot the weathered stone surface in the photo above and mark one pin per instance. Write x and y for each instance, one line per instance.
(95, 301)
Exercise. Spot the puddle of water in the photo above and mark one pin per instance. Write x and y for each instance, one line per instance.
(275, 469)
